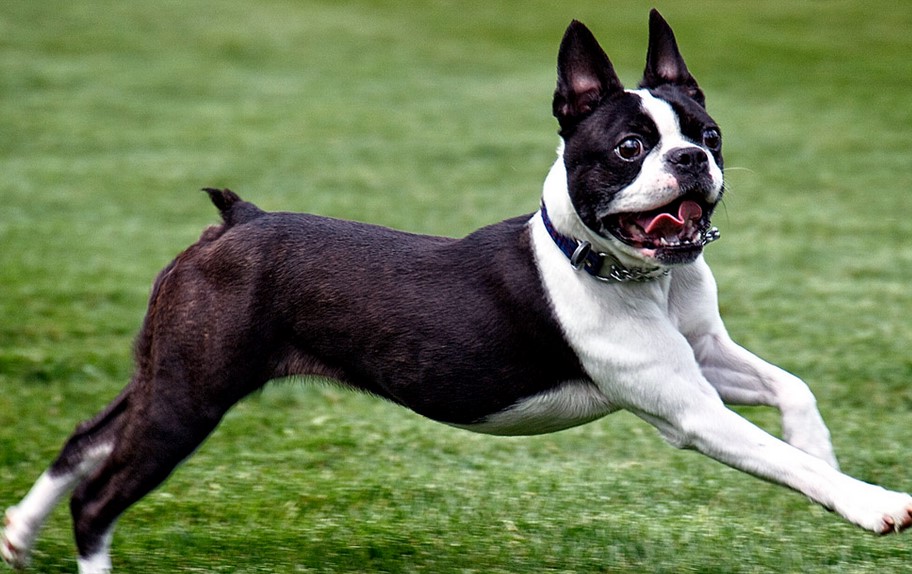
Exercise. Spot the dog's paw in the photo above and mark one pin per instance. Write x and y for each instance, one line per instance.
(881, 511)
(898, 521)
(97, 564)
(16, 540)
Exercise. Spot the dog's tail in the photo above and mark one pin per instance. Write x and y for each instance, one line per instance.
(233, 209)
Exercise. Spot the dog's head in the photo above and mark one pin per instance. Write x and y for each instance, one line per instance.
(644, 167)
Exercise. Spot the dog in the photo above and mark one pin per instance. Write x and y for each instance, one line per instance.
(599, 301)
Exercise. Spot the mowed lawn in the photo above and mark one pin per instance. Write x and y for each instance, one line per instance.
(435, 117)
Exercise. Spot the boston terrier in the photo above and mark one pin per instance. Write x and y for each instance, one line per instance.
(599, 301)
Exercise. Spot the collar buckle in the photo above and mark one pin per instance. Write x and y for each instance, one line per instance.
(580, 255)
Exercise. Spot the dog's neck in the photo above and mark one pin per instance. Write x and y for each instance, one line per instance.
(604, 260)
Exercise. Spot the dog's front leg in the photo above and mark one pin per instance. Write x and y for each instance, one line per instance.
(689, 413)
(742, 378)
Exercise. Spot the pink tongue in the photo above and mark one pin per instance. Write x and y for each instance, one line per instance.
(665, 224)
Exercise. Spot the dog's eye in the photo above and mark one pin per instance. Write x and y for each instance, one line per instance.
(712, 139)
(630, 149)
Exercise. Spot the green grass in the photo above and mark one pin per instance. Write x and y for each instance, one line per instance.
(435, 118)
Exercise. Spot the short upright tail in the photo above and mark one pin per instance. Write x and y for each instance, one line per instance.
(233, 209)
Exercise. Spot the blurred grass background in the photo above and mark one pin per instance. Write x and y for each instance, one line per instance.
(435, 117)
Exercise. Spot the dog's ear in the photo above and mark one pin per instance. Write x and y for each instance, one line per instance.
(664, 64)
(585, 76)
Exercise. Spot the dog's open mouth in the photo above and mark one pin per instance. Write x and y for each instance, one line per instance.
(678, 226)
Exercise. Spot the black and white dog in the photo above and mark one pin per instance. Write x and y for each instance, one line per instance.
(599, 301)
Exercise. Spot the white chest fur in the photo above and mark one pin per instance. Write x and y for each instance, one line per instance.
(622, 333)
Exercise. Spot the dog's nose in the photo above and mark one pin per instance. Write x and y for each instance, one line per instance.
(690, 160)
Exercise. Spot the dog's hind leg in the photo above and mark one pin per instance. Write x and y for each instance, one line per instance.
(83, 453)
(23, 521)
(155, 438)
(109, 463)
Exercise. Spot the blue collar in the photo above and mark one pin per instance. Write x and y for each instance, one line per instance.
(583, 257)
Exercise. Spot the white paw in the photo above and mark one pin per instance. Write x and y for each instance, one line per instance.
(879, 510)
(17, 539)
(98, 563)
